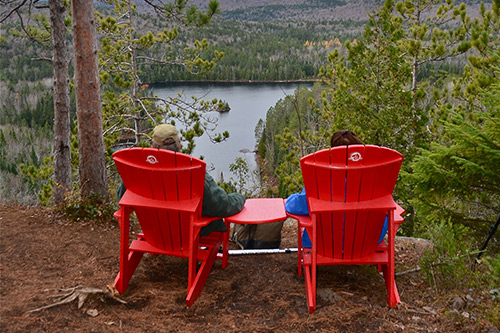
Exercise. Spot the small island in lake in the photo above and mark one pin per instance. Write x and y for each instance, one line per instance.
(223, 107)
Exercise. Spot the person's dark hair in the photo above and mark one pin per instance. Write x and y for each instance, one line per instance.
(344, 138)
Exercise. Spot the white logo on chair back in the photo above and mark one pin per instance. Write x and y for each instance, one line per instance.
(151, 159)
(355, 157)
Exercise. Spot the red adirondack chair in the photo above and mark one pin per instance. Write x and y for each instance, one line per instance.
(165, 190)
(349, 193)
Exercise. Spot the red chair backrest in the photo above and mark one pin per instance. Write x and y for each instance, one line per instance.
(166, 176)
(353, 173)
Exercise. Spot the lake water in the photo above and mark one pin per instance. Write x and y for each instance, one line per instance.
(248, 103)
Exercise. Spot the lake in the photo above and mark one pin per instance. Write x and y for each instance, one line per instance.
(248, 102)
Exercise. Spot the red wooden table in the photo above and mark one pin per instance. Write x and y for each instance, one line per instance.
(260, 210)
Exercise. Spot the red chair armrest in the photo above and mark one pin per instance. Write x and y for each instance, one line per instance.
(304, 220)
(132, 199)
(205, 220)
(383, 203)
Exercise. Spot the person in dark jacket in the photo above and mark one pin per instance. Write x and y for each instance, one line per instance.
(216, 202)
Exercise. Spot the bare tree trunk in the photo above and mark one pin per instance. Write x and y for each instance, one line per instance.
(62, 151)
(135, 85)
(88, 103)
(135, 96)
(414, 83)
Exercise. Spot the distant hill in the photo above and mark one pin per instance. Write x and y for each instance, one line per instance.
(262, 10)
(305, 10)
(270, 10)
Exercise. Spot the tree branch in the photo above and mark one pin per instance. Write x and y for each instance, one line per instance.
(15, 9)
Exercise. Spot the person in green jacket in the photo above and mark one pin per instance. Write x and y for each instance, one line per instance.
(216, 202)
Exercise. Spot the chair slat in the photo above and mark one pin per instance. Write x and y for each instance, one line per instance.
(325, 231)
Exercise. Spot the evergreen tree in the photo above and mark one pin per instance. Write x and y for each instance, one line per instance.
(458, 177)
(369, 87)
(433, 32)
(92, 166)
(62, 120)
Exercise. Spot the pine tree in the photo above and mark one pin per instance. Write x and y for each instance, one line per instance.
(434, 30)
(369, 87)
(458, 178)
(92, 165)
(62, 122)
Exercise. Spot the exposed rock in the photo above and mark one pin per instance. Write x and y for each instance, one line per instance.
(458, 303)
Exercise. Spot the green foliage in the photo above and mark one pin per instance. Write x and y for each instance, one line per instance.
(430, 33)
(450, 266)
(229, 187)
(457, 177)
(39, 179)
(290, 131)
(38, 174)
(28, 104)
(25, 137)
(181, 12)
(246, 181)
(5, 163)
(368, 88)
(20, 61)
(450, 257)
(91, 208)
(492, 264)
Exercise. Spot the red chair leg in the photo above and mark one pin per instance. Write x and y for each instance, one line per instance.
(392, 291)
(127, 270)
(390, 283)
(314, 262)
(225, 247)
(195, 289)
(310, 280)
(128, 259)
(299, 248)
(309, 289)
(193, 256)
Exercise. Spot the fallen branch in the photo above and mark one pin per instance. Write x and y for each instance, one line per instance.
(414, 270)
(418, 268)
(80, 293)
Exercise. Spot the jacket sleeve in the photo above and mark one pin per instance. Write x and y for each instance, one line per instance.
(296, 203)
(216, 202)
(120, 191)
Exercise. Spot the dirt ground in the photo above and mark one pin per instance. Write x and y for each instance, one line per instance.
(44, 256)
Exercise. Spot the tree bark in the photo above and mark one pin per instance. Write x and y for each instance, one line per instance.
(88, 103)
(62, 151)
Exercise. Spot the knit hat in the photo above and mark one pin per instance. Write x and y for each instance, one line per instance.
(164, 135)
